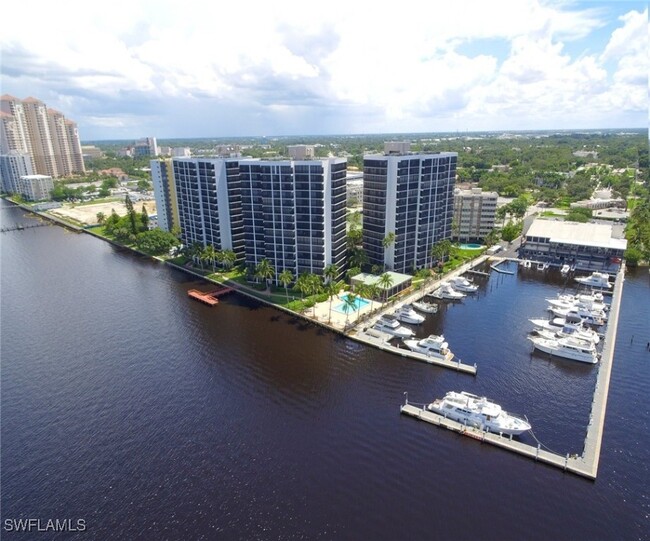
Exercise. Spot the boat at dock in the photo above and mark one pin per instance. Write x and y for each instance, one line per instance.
(479, 412)
(446, 291)
(567, 348)
(463, 284)
(406, 314)
(390, 325)
(565, 269)
(590, 317)
(575, 301)
(560, 328)
(431, 346)
(426, 307)
(595, 279)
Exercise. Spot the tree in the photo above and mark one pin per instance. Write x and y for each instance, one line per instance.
(265, 271)
(144, 218)
(144, 185)
(330, 272)
(195, 251)
(331, 288)
(156, 241)
(357, 257)
(350, 305)
(578, 214)
(492, 237)
(101, 218)
(385, 282)
(210, 255)
(352, 272)
(302, 284)
(131, 214)
(285, 278)
(229, 258)
(511, 231)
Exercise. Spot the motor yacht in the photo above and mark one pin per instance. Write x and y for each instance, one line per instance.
(479, 412)
(567, 348)
(426, 307)
(463, 284)
(406, 314)
(590, 317)
(446, 291)
(431, 346)
(595, 279)
(559, 328)
(565, 269)
(390, 325)
(574, 301)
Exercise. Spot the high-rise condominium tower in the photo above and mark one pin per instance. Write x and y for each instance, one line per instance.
(410, 196)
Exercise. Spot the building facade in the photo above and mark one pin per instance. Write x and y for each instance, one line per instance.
(164, 189)
(52, 141)
(584, 246)
(208, 193)
(36, 187)
(412, 197)
(295, 214)
(474, 214)
(13, 166)
(301, 152)
(147, 146)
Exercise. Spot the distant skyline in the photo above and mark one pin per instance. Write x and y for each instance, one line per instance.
(168, 69)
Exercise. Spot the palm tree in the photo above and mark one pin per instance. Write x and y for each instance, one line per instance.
(195, 251)
(357, 257)
(302, 284)
(372, 290)
(101, 218)
(388, 240)
(285, 278)
(350, 304)
(330, 272)
(210, 254)
(332, 288)
(229, 258)
(265, 271)
(385, 282)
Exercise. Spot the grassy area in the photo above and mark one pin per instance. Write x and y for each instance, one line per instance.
(551, 214)
(99, 230)
(98, 201)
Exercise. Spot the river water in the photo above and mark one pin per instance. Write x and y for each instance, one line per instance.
(151, 416)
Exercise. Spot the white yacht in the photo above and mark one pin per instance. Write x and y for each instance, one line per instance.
(390, 325)
(591, 317)
(479, 412)
(426, 307)
(406, 314)
(565, 269)
(596, 279)
(559, 328)
(568, 348)
(431, 346)
(446, 291)
(574, 301)
(463, 284)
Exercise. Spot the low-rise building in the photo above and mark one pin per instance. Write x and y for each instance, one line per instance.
(13, 166)
(301, 152)
(398, 282)
(474, 213)
(36, 187)
(587, 246)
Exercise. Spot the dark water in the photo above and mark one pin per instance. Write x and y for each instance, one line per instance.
(152, 416)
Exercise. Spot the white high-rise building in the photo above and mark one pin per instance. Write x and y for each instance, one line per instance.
(14, 165)
(60, 142)
(13, 107)
(36, 187)
(164, 189)
(410, 196)
(38, 128)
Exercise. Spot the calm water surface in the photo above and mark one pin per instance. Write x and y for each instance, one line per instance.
(154, 417)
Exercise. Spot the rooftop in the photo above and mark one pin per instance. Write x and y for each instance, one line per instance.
(582, 234)
(369, 279)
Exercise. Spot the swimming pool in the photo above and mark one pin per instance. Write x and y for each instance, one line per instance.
(471, 246)
(343, 308)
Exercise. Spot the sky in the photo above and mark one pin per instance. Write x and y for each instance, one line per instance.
(129, 69)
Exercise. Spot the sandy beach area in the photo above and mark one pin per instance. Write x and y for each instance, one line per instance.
(87, 214)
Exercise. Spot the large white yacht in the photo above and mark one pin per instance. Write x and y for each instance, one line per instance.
(406, 314)
(390, 325)
(559, 328)
(463, 284)
(426, 307)
(479, 412)
(578, 301)
(431, 346)
(446, 291)
(568, 348)
(596, 279)
(591, 317)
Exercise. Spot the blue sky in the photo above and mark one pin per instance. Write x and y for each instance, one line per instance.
(127, 69)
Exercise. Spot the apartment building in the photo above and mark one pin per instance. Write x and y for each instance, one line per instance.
(14, 165)
(410, 196)
(52, 141)
(35, 187)
(295, 213)
(474, 213)
(164, 188)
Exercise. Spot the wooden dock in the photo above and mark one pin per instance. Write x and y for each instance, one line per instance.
(380, 340)
(585, 465)
(211, 297)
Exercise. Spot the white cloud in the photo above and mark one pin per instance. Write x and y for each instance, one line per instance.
(380, 69)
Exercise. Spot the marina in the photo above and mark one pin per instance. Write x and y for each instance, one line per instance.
(585, 464)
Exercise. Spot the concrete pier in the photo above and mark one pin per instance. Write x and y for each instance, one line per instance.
(585, 465)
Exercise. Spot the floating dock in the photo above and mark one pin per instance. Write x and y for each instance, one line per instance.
(380, 340)
(585, 465)
(210, 298)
